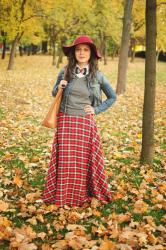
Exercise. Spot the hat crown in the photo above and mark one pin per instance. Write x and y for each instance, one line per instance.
(83, 39)
(79, 40)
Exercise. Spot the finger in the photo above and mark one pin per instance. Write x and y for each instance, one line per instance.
(63, 86)
(87, 110)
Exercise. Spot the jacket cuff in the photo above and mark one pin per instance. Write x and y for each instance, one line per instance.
(97, 111)
(54, 91)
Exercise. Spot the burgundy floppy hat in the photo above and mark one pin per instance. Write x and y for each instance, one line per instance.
(79, 40)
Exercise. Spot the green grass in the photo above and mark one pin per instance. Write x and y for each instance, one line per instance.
(4, 245)
(126, 161)
(117, 206)
(37, 181)
(15, 162)
(134, 177)
(137, 217)
(157, 215)
(2, 152)
(2, 114)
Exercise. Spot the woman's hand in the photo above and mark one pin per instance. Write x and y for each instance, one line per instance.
(89, 109)
(62, 84)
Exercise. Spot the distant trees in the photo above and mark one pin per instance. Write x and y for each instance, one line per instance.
(28, 21)
(21, 21)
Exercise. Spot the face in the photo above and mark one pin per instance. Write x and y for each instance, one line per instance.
(82, 54)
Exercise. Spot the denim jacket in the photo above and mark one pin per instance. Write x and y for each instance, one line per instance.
(95, 87)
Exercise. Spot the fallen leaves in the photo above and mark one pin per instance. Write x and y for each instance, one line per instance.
(17, 180)
(22, 237)
(6, 230)
(3, 206)
(140, 207)
(134, 219)
(31, 197)
(107, 245)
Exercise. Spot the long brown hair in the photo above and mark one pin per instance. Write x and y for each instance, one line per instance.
(93, 64)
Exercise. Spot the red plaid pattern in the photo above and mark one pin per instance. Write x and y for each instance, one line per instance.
(76, 169)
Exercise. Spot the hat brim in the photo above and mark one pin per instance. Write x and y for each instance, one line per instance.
(66, 49)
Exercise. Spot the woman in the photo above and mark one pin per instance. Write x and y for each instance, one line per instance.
(76, 170)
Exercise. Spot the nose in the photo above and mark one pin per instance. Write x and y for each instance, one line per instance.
(81, 51)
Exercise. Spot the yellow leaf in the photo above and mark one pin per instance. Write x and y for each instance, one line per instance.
(152, 239)
(42, 235)
(123, 217)
(3, 206)
(95, 203)
(17, 181)
(117, 196)
(107, 245)
(52, 208)
(1, 170)
(35, 159)
(139, 135)
(26, 246)
(32, 221)
(40, 218)
(46, 247)
(60, 245)
(5, 222)
(33, 196)
(162, 188)
(7, 157)
(96, 213)
(140, 207)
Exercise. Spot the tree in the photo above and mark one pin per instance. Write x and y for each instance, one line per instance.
(21, 18)
(3, 38)
(147, 152)
(66, 23)
(106, 23)
(123, 58)
(138, 26)
(137, 33)
(161, 27)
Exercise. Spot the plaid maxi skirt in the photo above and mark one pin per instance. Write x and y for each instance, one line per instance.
(76, 169)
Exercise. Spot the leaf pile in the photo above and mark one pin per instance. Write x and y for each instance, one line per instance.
(135, 219)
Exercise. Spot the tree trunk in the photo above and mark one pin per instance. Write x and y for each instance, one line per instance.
(44, 47)
(54, 54)
(59, 58)
(101, 43)
(114, 53)
(132, 55)
(13, 50)
(4, 48)
(21, 50)
(12, 53)
(105, 52)
(123, 58)
(157, 55)
(147, 152)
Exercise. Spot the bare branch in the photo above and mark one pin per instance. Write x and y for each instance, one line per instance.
(159, 4)
(33, 16)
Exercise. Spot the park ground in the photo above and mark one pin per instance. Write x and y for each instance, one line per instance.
(136, 216)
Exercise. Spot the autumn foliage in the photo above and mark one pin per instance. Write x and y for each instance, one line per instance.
(134, 219)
